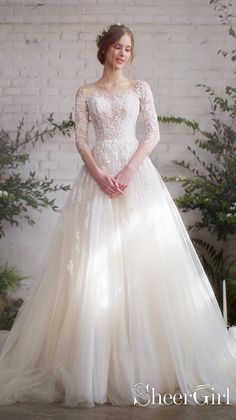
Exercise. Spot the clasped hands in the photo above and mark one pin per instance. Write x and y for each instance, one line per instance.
(114, 186)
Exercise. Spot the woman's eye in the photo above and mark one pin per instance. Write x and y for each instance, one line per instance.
(117, 47)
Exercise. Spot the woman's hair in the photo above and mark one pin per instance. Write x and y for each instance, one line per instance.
(109, 37)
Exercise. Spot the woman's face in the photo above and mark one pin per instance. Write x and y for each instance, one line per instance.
(119, 53)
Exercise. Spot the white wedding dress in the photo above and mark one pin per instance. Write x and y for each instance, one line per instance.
(122, 297)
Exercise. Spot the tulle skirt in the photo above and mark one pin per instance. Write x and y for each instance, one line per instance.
(123, 305)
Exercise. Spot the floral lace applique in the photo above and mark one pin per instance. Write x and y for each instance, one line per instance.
(152, 136)
(81, 121)
(114, 120)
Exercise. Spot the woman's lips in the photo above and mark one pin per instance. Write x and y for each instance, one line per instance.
(119, 60)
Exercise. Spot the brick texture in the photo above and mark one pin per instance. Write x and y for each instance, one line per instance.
(48, 50)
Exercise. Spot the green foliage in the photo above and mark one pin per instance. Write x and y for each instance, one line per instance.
(18, 193)
(231, 300)
(9, 314)
(212, 190)
(179, 120)
(218, 267)
(210, 187)
(9, 278)
(226, 19)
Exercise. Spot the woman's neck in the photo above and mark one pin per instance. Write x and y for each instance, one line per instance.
(112, 78)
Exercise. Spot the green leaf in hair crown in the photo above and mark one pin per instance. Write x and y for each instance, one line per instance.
(101, 34)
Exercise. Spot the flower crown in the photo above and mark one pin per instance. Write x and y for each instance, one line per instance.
(101, 34)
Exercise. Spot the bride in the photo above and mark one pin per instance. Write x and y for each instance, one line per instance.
(123, 306)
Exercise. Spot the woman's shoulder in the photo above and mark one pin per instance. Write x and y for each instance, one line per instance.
(142, 88)
(96, 83)
(83, 89)
(142, 83)
(138, 84)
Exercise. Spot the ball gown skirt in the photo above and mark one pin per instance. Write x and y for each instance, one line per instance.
(122, 297)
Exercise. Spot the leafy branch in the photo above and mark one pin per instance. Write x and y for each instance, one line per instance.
(19, 193)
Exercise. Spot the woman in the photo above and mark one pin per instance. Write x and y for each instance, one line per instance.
(123, 308)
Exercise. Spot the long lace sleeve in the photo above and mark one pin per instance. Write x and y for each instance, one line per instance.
(81, 121)
(148, 110)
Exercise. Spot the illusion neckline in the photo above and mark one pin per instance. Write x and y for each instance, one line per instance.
(101, 91)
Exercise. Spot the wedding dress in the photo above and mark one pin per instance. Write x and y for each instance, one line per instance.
(122, 298)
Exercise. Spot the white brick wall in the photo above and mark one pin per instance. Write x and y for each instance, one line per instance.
(48, 50)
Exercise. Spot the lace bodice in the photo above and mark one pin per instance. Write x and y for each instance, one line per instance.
(114, 118)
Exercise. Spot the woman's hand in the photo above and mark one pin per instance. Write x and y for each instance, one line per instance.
(123, 177)
(108, 184)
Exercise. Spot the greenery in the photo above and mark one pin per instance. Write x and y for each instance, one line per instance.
(18, 193)
(219, 267)
(9, 314)
(210, 187)
(9, 280)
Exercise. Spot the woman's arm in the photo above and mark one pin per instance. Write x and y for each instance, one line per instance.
(107, 183)
(81, 133)
(152, 136)
(151, 139)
